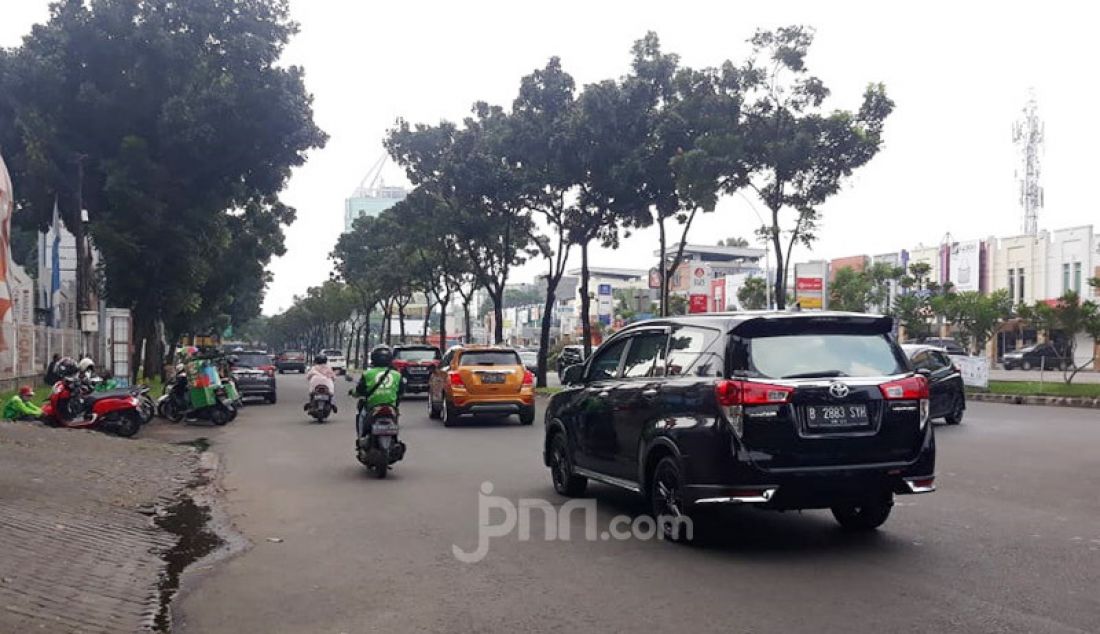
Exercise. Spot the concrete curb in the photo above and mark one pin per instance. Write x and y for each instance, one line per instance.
(1021, 399)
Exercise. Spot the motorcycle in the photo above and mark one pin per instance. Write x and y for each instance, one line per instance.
(379, 448)
(141, 391)
(76, 406)
(180, 401)
(320, 404)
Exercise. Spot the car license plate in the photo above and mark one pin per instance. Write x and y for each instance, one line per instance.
(321, 397)
(818, 416)
(492, 378)
(416, 370)
(384, 429)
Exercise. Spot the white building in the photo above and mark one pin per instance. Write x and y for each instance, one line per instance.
(1070, 260)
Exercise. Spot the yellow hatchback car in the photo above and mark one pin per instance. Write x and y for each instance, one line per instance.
(481, 381)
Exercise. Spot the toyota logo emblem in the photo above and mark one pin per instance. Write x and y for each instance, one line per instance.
(838, 390)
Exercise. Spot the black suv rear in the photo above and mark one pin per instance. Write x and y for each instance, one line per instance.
(416, 362)
(779, 410)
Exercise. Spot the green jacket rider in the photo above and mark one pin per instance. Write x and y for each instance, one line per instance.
(20, 407)
(380, 384)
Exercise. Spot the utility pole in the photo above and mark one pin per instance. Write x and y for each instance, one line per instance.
(83, 277)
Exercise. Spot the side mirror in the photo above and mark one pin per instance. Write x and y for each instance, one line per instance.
(925, 372)
(573, 375)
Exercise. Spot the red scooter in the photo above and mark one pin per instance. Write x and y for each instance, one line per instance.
(118, 413)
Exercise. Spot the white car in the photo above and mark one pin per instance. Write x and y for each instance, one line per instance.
(336, 361)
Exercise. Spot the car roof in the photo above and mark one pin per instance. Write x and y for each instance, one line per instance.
(750, 322)
(913, 348)
(415, 346)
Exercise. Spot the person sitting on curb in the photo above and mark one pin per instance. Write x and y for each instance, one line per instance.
(21, 407)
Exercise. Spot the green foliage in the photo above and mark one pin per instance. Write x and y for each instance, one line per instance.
(850, 290)
(977, 317)
(1035, 388)
(186, 127)
(733, 242)
(754, 294)
(1069, 316)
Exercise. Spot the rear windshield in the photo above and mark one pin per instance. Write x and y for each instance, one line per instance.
(332, 353)
(294, 355)
(414, 354)
(824, 355)
(253, 360)
(529, 357)
(490, 357)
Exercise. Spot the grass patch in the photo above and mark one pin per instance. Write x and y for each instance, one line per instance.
(1047, 388)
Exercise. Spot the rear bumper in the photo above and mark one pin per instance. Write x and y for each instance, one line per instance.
(501, 408)
(255, 389)
(416, 383)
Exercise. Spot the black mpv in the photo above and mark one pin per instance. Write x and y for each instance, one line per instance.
(781, 410)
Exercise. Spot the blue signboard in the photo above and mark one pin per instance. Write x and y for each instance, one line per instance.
(605, 289)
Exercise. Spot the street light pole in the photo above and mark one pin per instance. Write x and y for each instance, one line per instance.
(767, 251)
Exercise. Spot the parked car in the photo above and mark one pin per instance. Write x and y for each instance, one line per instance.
(254, 373)
(1041, 355)
(416, 363)
(291, 361)
(530, 359)
(336, 361)
(570, 355)
(946, 343)
(780, 410)
(947, 393)
(479, 381)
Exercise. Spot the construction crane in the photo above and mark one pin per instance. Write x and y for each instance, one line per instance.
(368, 186)
(1028, 135)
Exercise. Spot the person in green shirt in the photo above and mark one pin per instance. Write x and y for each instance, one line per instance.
(21, 407)
(379, 385)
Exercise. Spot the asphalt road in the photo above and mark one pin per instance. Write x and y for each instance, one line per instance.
(1010, 542)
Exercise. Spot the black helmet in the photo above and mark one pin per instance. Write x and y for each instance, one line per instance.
(381, 357)
(320, 360)
(66, 367)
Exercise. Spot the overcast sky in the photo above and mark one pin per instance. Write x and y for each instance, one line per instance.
(959, 73)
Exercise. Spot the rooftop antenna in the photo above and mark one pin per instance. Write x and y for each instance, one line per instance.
(1028, 135)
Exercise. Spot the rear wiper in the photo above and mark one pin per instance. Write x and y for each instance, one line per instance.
(816, 375)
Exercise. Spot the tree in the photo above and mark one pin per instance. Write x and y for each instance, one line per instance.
(1070, 316)
(976, 316)
(800, 155)
(733, 242)
(754, 294)
(911, 312)
(175, 129)
(850, 290)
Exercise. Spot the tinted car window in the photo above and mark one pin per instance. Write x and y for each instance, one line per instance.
(487, 357)
(606, 363)
(942, 360)
(414, 354)
(695, 352)
(252, 360)
(646, 356)
(923, 361)
(333, 353)
(824, 355)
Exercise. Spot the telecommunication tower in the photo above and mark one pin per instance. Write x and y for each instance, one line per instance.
(1027, 134)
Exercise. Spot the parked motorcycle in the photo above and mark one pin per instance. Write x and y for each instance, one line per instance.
(75, 405)
(180, 401)
(141, 391)
(321, 404)
(379, 448)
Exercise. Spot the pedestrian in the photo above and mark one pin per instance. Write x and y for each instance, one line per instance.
(51, 370)
(21, 406)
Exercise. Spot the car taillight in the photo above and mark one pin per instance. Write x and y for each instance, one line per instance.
(456, 379)
(908, 389)
(384, 411)
(528, 377)
(730, 393)
(732, 396)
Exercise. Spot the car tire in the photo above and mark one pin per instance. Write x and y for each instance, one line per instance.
(449, 419)
(561, 469)
(1026, 366)
(271, 398)
(958, 408)
(864, 517)
(434, 412)
(527, 415)
(666, 502)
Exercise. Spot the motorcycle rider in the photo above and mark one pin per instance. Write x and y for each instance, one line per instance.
(21, 407)
(321, 375)
(379, 385)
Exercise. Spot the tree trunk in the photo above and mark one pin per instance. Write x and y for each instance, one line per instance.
(443, 304)
(83, 270)
(544, 331)
(427, 321)
(401, 320)
(467, 318)
(498, 315)
(664, 269)
(780, 265)
(586, 322)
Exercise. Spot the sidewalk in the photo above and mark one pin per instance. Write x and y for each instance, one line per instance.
(79, 551)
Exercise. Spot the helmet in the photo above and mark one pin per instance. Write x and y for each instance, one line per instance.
(320, 360)
(26, 391)
(381, 357)
(180, 367)
(66, 367)
(85, 364)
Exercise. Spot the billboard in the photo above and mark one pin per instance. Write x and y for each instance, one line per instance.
(654, 278)
(697, 303)
(718, 295)
(810, 292)
(964, 266)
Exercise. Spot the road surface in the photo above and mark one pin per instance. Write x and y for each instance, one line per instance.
(1010, 542)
